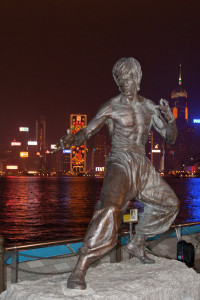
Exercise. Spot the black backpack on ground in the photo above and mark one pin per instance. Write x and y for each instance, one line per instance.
(185, 253)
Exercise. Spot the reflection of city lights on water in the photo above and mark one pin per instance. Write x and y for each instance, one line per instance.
(33, 208)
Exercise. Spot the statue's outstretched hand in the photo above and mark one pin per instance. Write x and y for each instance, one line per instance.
(64, 143)
(165, 110)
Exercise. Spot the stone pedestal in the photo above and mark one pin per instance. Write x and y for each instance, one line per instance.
(166, 279)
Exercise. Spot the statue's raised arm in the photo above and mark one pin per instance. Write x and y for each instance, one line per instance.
(80, 137)
(65, 142)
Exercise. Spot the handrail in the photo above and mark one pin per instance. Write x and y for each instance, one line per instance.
(14, 252)
(114, 256)
(73, 240)
(186, 224)
(44, 244)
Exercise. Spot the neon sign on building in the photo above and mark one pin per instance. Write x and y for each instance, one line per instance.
(66, 151)
(12, 167)
(53, 146)
(78, 154)
(24, 154)
(15, 143)
(32, 143)
(26, 129)
(196, 121)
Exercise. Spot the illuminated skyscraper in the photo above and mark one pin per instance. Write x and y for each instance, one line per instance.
(41, 135)
(78, 154)
(179, 153)
(180, 109)
(41, 141)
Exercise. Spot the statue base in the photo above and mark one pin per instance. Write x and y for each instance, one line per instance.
(166, 279)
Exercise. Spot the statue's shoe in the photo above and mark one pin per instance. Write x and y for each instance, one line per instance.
(76, 281)
(139, 253)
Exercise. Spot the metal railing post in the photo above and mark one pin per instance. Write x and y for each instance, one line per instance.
(119, 248)
(14, 264)
(115, 254)
(2, 284)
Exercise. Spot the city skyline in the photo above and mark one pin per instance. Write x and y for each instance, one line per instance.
(57, 57)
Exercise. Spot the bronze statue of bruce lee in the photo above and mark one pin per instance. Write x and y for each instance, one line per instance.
(129, 174)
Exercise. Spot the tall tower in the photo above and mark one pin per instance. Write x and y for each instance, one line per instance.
(40, 127)
(40, 134)
(181, 151)
(180, 109)
(78, 154)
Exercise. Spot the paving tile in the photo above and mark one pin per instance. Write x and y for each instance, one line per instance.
(35, 264)
(62, 266)
(24, 265)
(48, 262)
(71, 264)
(64, 259)
(49, 269)
(74, 258)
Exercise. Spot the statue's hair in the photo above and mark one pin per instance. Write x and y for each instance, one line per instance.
(123, 66)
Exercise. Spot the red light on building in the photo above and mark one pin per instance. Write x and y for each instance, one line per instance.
(78, 154)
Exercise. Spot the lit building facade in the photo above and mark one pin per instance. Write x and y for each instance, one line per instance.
(179, 153)
(78, 154)
(40, 130)
(40, 133)
(179, 104)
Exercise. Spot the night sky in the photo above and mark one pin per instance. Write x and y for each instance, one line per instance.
(56, 57)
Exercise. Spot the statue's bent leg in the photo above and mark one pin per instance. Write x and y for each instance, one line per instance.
(101, 236)
(160, 209)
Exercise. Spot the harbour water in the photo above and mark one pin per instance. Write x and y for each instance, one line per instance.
(41, 209)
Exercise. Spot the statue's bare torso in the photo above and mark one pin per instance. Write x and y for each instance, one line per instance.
(129, 121)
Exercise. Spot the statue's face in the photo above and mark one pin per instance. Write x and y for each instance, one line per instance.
(128, 85)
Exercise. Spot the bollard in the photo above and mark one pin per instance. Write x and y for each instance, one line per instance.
(2, 285)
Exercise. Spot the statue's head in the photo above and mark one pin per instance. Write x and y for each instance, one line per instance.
(126, 66)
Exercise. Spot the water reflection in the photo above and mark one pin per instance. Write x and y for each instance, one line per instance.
(34, 209)
(188, 192)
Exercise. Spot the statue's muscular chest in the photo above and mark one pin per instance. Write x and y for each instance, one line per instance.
(131, 115)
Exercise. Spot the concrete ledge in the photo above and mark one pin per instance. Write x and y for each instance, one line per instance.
(166, 280)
